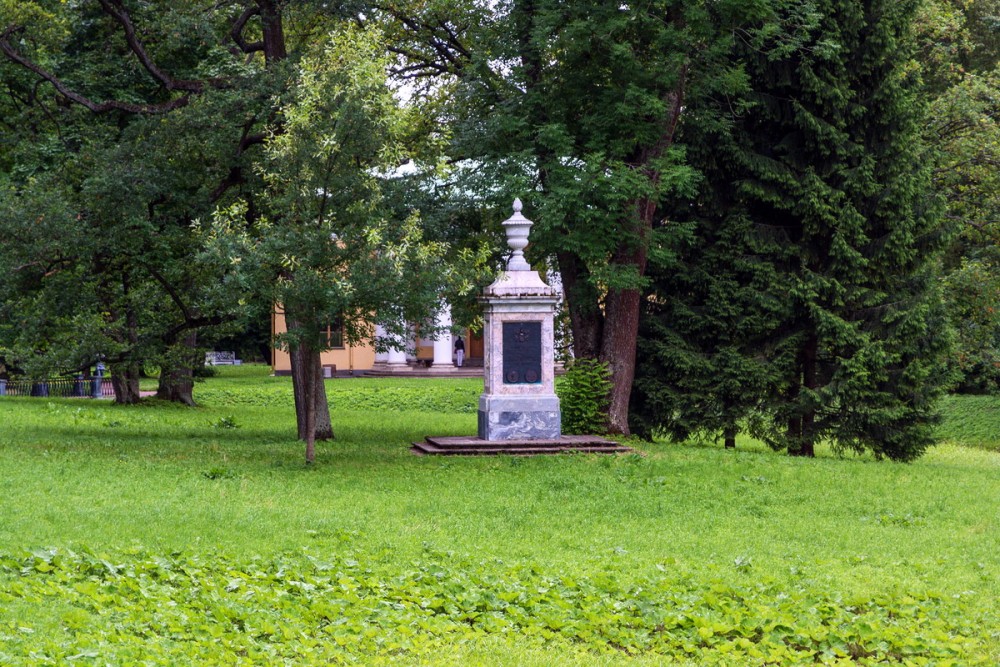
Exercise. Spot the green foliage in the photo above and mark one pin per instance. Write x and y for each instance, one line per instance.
(956, 38)
(966, 145)
(973, 293)
(225, 422)
(583, 397)
(973, 421)
(99, 205)
(959, 61)
(345, 606)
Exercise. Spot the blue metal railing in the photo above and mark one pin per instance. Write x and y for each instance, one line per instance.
(59, 387)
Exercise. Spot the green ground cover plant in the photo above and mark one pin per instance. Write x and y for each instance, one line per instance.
(155, 534)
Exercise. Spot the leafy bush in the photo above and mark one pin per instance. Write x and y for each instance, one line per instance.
(584, 397)
(228, 421)
(205, 371)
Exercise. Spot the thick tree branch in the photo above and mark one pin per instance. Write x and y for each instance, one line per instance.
(454, 41)
(191, 320)
(172, 334)
(169, 289)
(64, 90)
(449, 54)
(235, 175)
(421, 66)
(115, 9)
(237, 31)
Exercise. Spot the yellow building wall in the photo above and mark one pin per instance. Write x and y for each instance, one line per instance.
(348, 358)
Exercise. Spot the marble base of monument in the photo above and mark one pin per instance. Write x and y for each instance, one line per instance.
(519, 417)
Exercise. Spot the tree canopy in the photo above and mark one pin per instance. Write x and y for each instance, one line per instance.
(770, 200)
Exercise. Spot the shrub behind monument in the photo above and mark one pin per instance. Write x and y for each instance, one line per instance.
(584, 394)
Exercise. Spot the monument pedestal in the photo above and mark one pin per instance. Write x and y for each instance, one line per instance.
(519, 399)
(519, 417)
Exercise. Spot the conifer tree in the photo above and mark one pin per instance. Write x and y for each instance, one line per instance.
(821, 191)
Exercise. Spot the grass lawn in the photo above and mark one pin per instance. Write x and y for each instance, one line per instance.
(157, 534)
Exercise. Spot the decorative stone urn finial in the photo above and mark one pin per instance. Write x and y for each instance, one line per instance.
(517, 227)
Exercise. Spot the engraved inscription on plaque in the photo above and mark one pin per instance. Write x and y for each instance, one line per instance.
(522, 352)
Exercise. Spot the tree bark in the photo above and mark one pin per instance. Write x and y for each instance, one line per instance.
(303, 386)
(729, 436)
(125, 374)
(801, 432)
(273, 30)
(125, 382)
(324, 427)
(310, 395)
(810, 354)
(312, 412)
(618, 351)
(309, 380)
(177, 378)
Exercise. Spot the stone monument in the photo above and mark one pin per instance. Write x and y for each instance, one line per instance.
(518, 409)
(519, 400)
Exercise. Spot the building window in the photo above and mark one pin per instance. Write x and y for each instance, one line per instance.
(333, 334)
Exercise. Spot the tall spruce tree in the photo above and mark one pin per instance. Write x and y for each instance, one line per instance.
(821, 189)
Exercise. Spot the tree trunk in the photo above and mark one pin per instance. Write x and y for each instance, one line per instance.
(125, 381)
(618, 351)
(177, 378)
(125, 374)
(800, 426)
(729, 436)
(305, 363)
(303, 386)
(273, 30)
(324, 427)
(312, 412)
(621, 322)
(810, 353)
(310, 364)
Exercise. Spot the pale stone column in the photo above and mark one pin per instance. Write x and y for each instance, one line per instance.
(381, 358)
(396, 357)
(442, 343)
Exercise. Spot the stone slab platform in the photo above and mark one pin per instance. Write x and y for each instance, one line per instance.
(473, 446)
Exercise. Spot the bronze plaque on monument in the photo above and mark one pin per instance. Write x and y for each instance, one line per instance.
(522, 352)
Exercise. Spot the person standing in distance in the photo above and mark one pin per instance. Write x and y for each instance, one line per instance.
(459, 351)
